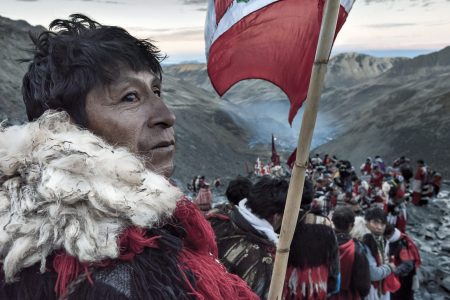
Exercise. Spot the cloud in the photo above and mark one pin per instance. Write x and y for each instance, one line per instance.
(27, 0)
(376, 1)
(389, 25)
(98, 1)
(188, 2)
(414, 2)
(169, 34)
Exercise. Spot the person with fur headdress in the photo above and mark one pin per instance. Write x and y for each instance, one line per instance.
(86, 207)
(370, 230)
(313, 264)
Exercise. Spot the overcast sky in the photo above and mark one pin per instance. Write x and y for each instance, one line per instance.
(377, 27)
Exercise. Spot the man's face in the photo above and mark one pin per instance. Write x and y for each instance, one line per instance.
(130, 112)
(376, 226)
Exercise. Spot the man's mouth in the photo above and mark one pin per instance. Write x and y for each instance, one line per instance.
(163, 144)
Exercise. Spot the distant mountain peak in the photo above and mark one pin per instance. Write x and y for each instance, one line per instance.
(423, 63)
(351, 68)
(17, 25)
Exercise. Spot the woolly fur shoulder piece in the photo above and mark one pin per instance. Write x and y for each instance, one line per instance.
(64, 188)
(359, 229)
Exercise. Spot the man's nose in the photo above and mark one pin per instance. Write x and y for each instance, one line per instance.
(161, 115)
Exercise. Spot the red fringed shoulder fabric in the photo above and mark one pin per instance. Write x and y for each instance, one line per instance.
(306, 283)
(178, 261)
(200, 256)
(347, 257)
(199, 233)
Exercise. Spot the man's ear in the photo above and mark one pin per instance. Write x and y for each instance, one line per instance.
(274, 220)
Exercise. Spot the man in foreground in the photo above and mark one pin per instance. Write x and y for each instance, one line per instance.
(86, 210)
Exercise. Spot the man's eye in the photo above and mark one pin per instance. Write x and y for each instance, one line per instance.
(130, 97)
(157, 92)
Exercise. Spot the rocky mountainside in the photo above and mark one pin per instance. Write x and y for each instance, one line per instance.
(14, 39)
(262, 107)
(209, 141)
(403, 111)
(370, 106)
(345, 70)
(429, 227)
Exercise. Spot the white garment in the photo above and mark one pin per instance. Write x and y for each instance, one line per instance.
(373, 295)
(261, 225)
(395, 237)
(68, 189)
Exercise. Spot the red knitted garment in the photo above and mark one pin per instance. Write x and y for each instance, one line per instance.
(132, 241)
(306, 284)
(199, 255)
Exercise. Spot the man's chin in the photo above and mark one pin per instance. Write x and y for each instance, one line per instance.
(160, 162)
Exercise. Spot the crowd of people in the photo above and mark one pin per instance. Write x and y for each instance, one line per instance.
(351, 238)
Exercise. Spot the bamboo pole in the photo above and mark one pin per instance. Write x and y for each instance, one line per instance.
(295, 190)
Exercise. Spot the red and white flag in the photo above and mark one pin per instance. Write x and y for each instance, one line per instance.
(274, 40)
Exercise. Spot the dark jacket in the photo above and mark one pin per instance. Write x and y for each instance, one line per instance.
(152, 274)
(313, 266)
(244, 251)
(356, 283)
(405, 268)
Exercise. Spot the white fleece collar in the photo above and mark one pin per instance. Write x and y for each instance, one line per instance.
(64, 188)
(396, 236)
(261, 225)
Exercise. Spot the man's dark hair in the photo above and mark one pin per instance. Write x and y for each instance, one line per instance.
(375, 213)
(238, 189)
(389, 230)
(267, 197)
(75, 56)
(308, 194)
(342, 218)
(420, 161)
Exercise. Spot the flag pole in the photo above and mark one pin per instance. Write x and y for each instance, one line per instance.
(295, 191)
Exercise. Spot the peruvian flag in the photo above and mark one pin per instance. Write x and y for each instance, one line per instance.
(274, 40)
